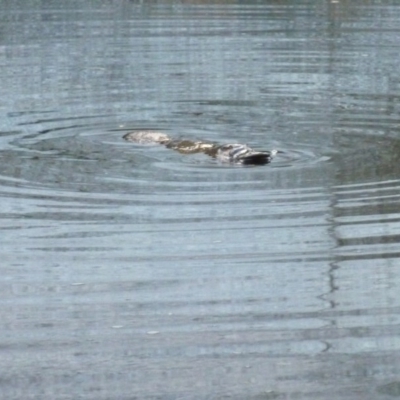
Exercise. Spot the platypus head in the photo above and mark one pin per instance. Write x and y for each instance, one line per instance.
(243, 154)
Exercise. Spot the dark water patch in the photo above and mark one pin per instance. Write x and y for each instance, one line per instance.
(390, 389)
(367, 218)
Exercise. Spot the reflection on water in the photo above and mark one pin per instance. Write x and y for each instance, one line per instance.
(136, 272)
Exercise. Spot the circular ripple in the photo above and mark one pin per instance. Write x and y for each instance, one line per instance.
(85, 155)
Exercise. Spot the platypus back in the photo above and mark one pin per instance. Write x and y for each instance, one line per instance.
(232, 153)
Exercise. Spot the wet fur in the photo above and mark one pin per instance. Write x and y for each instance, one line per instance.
(232, 153)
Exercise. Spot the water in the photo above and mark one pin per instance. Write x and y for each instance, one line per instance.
(131, 272)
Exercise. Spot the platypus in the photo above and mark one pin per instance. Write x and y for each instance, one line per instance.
(232, 153)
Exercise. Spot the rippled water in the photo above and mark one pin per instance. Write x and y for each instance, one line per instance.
(136, 272)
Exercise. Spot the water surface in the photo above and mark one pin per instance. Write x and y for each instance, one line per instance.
(136, 272)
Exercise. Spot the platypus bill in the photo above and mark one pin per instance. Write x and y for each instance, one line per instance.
(233, 153)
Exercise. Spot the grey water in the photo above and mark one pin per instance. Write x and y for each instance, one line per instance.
(137, 272)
